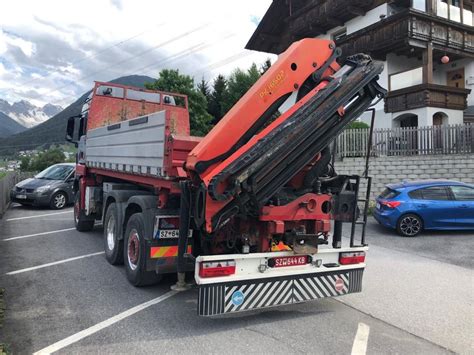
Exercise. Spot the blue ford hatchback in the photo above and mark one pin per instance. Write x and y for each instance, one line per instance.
(410, 207)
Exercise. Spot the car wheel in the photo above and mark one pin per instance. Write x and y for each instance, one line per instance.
(135, 253)
(409, 225)
(58, 200)
(81, 221)
(113, 247)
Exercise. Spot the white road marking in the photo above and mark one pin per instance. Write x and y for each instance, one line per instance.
(37, 216)
(43, 233)
(102, 325)
(53, 263)
(359, 347)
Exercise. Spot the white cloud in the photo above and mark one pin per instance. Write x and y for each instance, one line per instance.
(58, 48)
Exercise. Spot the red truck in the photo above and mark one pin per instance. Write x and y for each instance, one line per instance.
(254, 209)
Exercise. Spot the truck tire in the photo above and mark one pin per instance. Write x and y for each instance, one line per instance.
(112, 245)
(81, 221)
(134, 253)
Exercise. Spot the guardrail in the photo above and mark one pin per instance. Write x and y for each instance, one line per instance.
(6, 183)
(444, 139)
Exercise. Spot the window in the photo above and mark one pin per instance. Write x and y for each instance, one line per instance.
(419, 5)
(416, 194)
(143, 95)
(435, 193)
(452, 9)
(337, 35)
(463, 193)
(467, 15)
(111, 91)
(389, 193)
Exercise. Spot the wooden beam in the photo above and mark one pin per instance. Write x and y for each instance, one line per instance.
(356, 10)
(428, 64)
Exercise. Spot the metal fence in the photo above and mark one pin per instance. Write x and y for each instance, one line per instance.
(6, 183)
(447, 139)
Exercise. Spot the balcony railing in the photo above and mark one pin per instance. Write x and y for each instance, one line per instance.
(447, 139)
(426, 95)
(398, 31)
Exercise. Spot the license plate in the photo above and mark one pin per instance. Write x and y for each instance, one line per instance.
(377, 206)
(285, 261)
(21, 197)
(172, 233)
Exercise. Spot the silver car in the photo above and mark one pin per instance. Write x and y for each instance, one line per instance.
(52, 187)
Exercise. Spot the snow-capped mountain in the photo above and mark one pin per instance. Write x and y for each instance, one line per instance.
(27, 114)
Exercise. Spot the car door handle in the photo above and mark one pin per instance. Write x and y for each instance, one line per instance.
(422, 205)
(463, 206)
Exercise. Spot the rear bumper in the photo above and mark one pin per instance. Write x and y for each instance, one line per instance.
(248, 295)
(385, 219)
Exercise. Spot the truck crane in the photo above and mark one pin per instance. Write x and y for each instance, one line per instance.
(255, 208)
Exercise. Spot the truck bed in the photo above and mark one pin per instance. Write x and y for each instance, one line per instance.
(134, 146)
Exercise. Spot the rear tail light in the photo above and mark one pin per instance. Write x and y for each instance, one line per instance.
(217, 268)
(352, 257)
(390, 204)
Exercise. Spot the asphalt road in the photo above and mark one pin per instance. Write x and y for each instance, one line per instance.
(417, 298)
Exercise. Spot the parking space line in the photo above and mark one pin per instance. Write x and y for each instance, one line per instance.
(36, 234)
(37, 216)
(53, 263)
(102, 325)
(359, 347)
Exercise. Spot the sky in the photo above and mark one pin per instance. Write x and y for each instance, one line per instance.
(52, 51)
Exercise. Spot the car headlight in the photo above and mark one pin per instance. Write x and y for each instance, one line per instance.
(42, 189)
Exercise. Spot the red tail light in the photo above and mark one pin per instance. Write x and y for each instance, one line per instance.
(217, 268)
(352, 257)
(390, 204)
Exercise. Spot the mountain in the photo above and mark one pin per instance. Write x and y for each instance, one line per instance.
(8, 126)
(27, 114)
(54, 129)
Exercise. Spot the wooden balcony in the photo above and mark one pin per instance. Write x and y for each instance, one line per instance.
(426, 95)
(407, 33)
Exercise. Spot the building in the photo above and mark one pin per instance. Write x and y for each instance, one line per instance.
(427, 47)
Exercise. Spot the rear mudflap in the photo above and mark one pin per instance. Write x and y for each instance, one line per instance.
(238, 296)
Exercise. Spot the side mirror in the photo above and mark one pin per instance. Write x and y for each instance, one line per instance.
(70, 128)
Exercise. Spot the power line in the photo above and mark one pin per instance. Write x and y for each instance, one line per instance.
(99, 52)
(222, 62)
(133, 57)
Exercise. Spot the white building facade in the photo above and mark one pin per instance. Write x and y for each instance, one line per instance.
(427, 47)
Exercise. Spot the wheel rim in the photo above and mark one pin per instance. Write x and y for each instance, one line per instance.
(133, 249)
(59, 200)
(410, 225)
(111, 233)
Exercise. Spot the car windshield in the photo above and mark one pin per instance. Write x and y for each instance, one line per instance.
(55, 172)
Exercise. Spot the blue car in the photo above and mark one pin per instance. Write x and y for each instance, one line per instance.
(411, 207)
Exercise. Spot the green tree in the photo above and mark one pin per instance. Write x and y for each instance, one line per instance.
(265, 66)
(238, 84)
(357, 125)
(214, 106)
(172, 81)
(203, 87)
(25, 163)
(47, 158)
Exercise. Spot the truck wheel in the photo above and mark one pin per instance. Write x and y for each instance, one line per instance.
(409, 225)
(135, 253)
(113, 247)
(81, 222)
